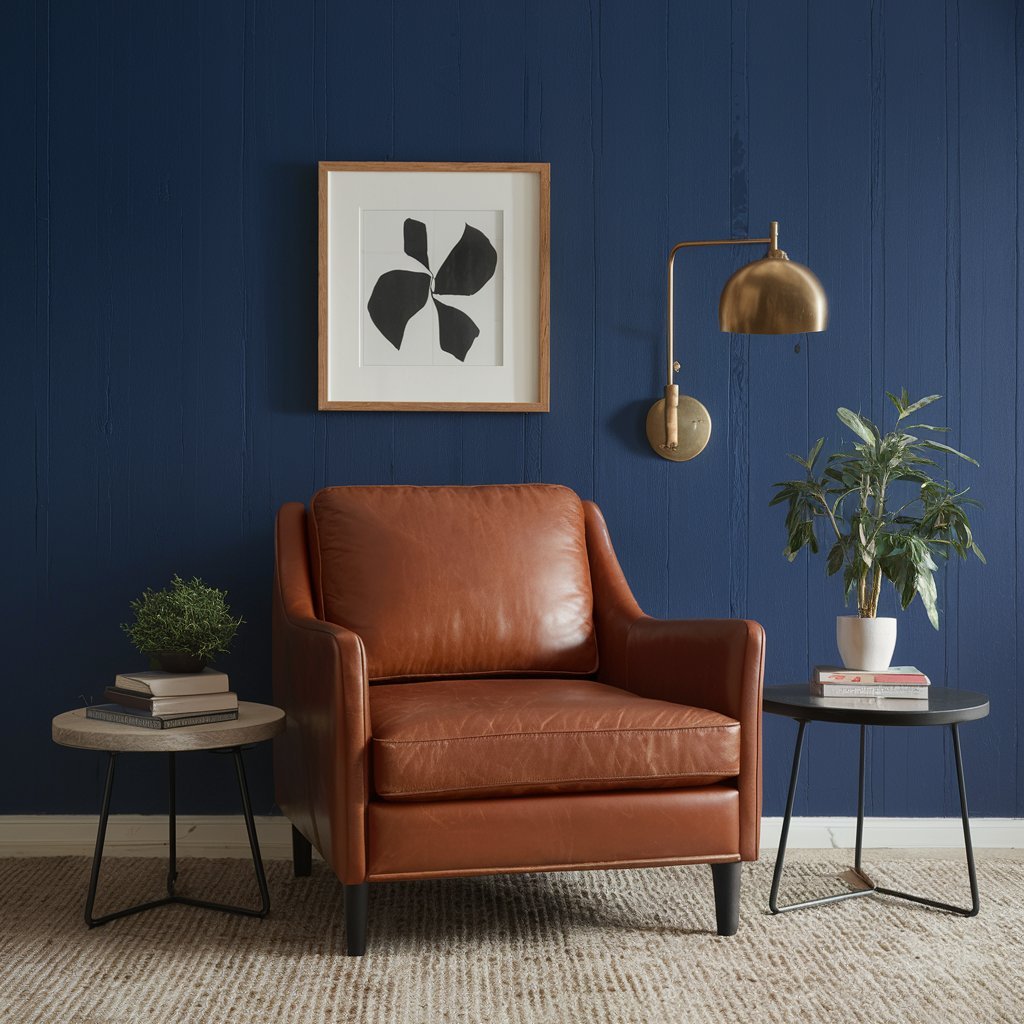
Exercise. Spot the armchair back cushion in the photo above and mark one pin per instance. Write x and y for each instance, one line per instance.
(447, 582)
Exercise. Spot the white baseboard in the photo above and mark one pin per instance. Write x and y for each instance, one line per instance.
(139, 835)
(893, 833)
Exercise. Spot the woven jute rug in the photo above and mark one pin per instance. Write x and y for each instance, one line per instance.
(625, 946)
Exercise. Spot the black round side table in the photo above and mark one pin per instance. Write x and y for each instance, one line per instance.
(944, 706)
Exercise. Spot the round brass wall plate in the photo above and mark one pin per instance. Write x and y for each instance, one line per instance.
(694, 429)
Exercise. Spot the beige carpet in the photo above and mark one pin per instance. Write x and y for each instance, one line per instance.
(627, 947)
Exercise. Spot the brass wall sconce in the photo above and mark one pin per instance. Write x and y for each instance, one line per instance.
(772, 295)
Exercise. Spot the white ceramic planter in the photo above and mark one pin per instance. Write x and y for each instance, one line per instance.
(866, 643)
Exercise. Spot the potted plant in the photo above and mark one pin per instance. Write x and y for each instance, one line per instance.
(183, 626)
(883, 516)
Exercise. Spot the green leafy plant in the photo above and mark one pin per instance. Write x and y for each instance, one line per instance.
(874, 533)
(188, 618)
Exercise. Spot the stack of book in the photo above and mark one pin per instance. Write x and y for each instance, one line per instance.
(167, 700)
(903, 682)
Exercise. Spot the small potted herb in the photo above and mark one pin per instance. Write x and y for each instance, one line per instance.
(182, 627)
(884, 517)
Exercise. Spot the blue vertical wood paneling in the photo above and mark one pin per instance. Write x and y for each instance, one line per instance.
(278, 180)
(429, 100)
(698, 198)
(632, 75)
(493, 82)
(951, 95)
(738, 403)
(775, 413)
(281, 291)
(987, 621)
(1019, 439)
(88, 371)
(76, 374)
(359, 123)
(158, 296)
(568, 121)
(24, 411)
(913, 345)
(838, 248)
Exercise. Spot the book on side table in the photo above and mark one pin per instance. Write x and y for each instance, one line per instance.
(143, 719)
(172, 684)
(197, 703)
(167, 700)
(903, 682)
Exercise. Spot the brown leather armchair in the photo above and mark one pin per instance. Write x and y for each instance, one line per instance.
(471, 689)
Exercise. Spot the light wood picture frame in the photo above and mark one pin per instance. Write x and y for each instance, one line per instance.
(434, 283)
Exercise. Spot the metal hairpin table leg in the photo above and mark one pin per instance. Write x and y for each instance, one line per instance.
(101, 834)
(254, 842)
(972, 910)
(172, 870)
(858, 871)
(172, 826)
(773, 898)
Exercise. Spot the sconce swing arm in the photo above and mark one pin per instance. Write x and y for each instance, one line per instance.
(671, 388)
(769, 296)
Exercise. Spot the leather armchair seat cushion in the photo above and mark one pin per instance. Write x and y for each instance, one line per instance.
(452, 739)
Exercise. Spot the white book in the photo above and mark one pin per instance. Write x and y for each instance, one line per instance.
(173, 684)
(196, 703)
(874, 690)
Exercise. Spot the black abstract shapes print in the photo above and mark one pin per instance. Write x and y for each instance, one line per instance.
(399, 295)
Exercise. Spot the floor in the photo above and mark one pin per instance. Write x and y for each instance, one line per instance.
(625, 947)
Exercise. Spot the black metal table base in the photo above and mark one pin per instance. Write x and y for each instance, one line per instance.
(172, 859)
(869, 888)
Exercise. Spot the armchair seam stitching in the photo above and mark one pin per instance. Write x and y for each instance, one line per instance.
(561, 732)
(516, 783)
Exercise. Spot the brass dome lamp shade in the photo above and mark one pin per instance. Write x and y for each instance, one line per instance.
(772, 295)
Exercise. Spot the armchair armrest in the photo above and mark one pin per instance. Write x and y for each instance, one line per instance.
(320, 762)
(709, 663)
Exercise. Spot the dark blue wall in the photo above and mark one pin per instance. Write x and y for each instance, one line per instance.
(158, 283)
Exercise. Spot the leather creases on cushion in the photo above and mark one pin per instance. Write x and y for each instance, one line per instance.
(452, 739)
(457, 581)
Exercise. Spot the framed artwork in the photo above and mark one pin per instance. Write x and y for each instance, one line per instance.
(434, 286)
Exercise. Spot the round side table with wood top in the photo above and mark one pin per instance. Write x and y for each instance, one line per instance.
(255, 723)
(944, 706)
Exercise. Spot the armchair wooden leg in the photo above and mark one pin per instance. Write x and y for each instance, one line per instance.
(302, 854)
(727, 896)
(356, 901)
